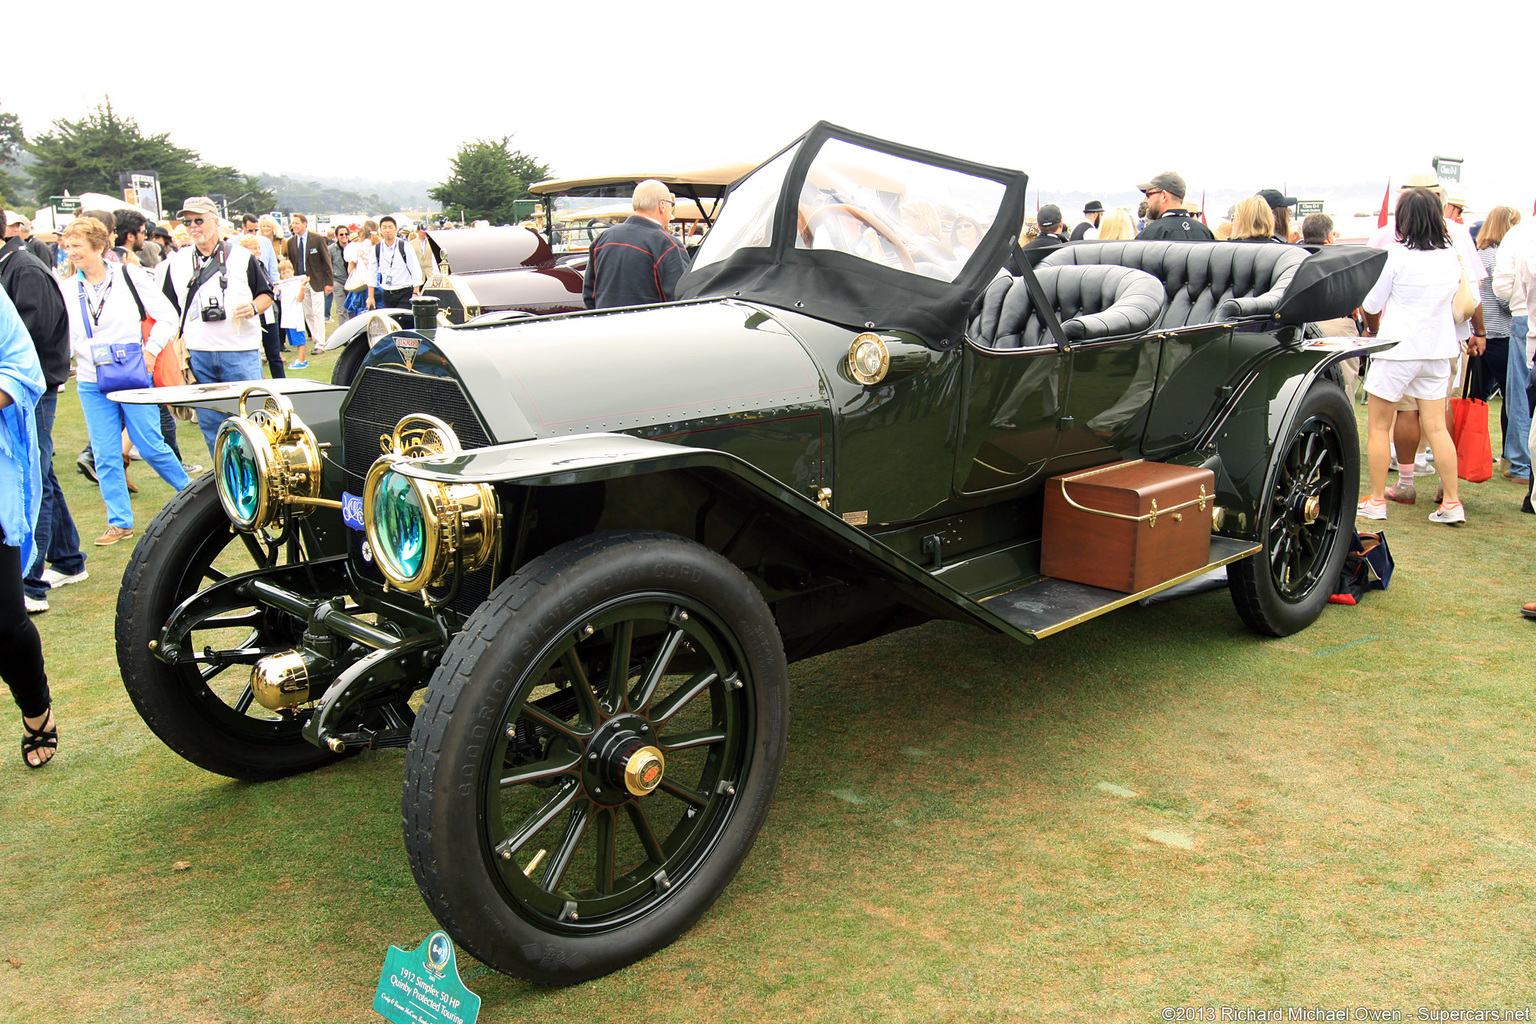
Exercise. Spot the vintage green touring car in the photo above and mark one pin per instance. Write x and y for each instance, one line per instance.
(566, 560)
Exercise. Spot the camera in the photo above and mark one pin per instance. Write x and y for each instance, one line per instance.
(213, 312)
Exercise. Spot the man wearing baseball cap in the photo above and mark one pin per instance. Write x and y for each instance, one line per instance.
(1167, 220)
(1049, 219)
(17, 226)
(220, 290)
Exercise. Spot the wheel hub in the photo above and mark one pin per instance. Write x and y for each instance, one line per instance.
(622, 760)
(643, 770)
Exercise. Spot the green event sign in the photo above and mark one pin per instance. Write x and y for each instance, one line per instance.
(423, 986)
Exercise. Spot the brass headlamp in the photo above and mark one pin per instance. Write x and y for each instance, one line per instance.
(420, 530)
(266, 463)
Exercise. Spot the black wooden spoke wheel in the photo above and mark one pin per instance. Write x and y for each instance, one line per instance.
(595, 756)
(1306, 520)
(204, 711)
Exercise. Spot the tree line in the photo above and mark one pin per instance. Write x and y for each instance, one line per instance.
(86, 155)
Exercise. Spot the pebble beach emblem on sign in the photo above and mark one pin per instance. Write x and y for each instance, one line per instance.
(423, 986)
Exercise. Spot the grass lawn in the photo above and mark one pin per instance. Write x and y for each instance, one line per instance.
(1154, 809)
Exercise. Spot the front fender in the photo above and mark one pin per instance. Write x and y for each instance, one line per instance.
(317, 403)
(605, 457)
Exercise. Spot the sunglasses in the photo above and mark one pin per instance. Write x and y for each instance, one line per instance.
(189, 221)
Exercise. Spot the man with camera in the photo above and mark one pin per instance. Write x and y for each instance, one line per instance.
(220, 290)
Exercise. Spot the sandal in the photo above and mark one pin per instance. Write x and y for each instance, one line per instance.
(34, 740)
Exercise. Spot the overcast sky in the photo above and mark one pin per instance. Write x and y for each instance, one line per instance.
(1090, 96)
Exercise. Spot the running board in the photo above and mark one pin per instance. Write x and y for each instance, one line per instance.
(1049, 605)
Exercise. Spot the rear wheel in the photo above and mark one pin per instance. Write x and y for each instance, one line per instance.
(595, 756)
(1306, 520)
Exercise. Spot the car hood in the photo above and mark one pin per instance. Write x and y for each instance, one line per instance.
(625, 370)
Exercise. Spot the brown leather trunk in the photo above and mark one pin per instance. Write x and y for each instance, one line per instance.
(1135, 525)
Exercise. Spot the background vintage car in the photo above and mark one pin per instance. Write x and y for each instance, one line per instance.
(567, 559)
(502, 273)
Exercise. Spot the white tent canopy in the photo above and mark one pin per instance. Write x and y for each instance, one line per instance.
(102, 201)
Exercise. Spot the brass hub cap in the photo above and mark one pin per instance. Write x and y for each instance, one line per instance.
(643, 770)
(1311, 509)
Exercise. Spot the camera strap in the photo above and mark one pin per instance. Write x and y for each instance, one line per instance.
(212, 265)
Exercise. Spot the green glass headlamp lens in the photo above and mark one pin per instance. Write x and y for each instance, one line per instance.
(400, 526)
(239, 476)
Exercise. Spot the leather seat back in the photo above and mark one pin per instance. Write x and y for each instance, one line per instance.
(1092, 301)
(1204, 282)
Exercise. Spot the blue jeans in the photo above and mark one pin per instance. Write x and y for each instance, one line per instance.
(221, 368)
(104, 422)
(56, 538)
(1517, 447)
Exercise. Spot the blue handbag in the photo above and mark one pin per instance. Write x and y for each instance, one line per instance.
(119, 364)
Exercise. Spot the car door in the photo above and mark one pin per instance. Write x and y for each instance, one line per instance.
(1013, 403)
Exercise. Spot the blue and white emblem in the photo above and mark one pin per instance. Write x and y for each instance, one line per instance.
(352, 510)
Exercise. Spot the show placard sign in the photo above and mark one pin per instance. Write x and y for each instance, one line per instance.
(1305, 207)
(423, 986)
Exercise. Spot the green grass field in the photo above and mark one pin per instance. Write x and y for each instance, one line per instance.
(1157, 809)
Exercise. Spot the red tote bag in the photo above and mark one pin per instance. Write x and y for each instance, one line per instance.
(1469, 429)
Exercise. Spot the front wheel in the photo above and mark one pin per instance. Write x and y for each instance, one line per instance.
(204, 710)
(1306, 520)
(595, 756)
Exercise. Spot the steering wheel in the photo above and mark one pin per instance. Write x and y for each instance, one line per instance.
(868, 219)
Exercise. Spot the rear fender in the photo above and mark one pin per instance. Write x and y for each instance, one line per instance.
(1266, 400)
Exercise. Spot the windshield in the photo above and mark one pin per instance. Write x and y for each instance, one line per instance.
(578, 219)
(882, 208)
(859, 231)
(743, 223)
(894, 211)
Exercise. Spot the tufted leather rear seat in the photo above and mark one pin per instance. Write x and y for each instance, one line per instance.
(1204, 282)
(1093, 302)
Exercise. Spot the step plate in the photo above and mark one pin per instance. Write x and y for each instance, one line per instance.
(1049, 606)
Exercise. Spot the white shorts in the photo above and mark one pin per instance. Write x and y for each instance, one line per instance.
(1392, 379)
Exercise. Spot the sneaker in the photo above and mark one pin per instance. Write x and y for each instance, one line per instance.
(1424, 465)
(1372, 508)
(298, 366)
(56, 579)
(35, 604)
(86, 465)
(1403, 494)
(1449, 513)
(113, 535)
(192, 468)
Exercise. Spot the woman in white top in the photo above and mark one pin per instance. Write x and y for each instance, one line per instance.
(359, 253)
(102, 310)
(1411, 303)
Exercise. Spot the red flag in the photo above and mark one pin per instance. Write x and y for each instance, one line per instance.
(1386, 197)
